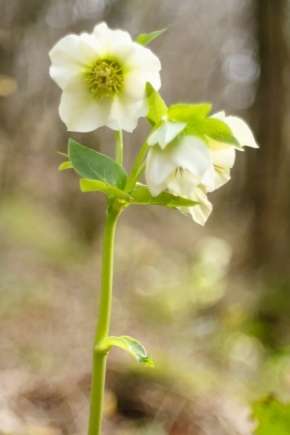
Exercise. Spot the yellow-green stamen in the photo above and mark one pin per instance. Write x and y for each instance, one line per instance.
(105, 79)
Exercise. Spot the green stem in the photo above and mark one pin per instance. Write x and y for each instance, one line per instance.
(119, 147)
(104, 315)
(137, 169)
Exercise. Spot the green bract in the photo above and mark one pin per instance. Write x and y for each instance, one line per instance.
(129, 344)
(142, 195)
(145, 38)
(157, 107)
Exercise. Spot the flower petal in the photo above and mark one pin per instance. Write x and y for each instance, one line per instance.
(241, 131)
(158, 169)
(223, 160)
(71, 55)
(239, 128)
(166, 133)
(190, 153)
(109, 39)
(200, 213)
(182, 182)
(124, 113)
(141, 59)
(78, 110)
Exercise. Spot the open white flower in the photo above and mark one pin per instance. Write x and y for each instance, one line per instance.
(103, 77)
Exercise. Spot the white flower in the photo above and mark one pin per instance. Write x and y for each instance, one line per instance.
(183, 162)
(187, 167)
(223, 154)
(103, 77)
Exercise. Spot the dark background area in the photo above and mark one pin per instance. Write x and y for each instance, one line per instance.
(210, 304)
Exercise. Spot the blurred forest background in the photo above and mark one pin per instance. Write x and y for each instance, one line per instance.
(210, 304)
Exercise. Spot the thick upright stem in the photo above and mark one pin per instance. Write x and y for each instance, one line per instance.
(103, 324)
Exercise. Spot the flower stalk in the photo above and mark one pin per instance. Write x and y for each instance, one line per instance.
(103, 324)
(119, 147)
(138, 168)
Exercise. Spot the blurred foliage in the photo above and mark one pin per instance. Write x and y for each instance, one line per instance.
(273, 417)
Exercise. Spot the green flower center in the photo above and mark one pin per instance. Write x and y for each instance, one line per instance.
(105, 79)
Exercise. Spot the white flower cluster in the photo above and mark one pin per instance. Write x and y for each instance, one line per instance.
(187, 166)
(103, 77)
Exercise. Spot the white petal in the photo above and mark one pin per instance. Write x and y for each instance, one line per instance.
(182, 182)
(109, 39)
(142, 59)
(222, 176)
(241, 131)
(70, 56)
(166, 133)
(200, 213)
(219, 115)
(158, 169)
(78, 110)
(223, 161)
(124, 113)
(134, 88)
(239, 128)
(190, 153)
(209, 179)
(224, 158)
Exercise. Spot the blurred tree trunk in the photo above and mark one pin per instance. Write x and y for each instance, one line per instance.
(264, 165)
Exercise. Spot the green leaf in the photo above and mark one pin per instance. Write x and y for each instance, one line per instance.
(273, 417)
(201, 126)
(95, 185)
(184, 112)
(145, 38)
(142, 195)
(130, 345)
(65, 165)
(211, 128)
(157, 107)
(220, 132)
(96, 166)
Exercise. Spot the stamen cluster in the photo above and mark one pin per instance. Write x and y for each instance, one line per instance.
(105, 79)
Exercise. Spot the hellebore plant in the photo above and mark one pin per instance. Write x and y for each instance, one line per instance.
(109, 80)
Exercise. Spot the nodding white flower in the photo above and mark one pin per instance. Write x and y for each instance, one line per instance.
(103, 77)
(223, 154)
(183, 161)
(187, 167)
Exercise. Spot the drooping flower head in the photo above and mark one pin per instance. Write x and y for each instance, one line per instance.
(189, 167)
(103, 77)
(172, 157)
